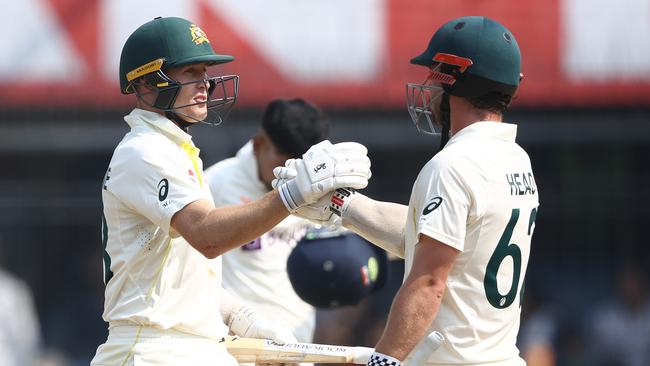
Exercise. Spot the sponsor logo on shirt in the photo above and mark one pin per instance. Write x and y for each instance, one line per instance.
(253, 245)
(163, 189)
(190, 172)
(432, 205)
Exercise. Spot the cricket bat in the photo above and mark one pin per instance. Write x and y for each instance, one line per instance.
(253, 350)
(268, 351)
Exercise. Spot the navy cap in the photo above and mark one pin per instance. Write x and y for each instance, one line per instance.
(330, 269)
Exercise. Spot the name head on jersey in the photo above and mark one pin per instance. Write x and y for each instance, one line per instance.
(330, 269)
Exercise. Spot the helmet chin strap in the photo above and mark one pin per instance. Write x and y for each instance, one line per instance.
(445, 116)
(180, 122)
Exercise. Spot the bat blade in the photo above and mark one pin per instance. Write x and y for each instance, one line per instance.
(267, 351)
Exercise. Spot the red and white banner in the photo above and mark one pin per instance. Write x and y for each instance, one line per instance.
(338, 53)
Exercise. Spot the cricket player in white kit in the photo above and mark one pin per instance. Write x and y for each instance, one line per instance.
(257, 272)
(162, 235)
(466, 232)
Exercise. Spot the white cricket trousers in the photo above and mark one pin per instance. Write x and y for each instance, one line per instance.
(129, 345)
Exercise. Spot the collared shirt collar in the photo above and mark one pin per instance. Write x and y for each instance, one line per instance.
(497, 130)
(140, 117)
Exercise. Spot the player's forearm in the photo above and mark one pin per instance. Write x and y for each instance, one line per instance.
(214, 231)
(230, 227)
(381, 223)
(414, 308)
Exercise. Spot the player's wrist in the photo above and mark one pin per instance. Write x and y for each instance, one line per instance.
(341, 199)
(380, 359)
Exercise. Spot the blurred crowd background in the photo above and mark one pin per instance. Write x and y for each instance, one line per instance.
(583, 112)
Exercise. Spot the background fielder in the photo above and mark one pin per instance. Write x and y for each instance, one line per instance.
(257, 271)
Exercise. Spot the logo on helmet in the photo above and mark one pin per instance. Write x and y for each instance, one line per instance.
(198, 35)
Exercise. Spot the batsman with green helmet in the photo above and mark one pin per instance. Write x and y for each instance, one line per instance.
(161, 233)
(466, 233)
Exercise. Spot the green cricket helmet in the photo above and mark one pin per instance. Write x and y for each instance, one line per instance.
(165, 43)
(468, 57)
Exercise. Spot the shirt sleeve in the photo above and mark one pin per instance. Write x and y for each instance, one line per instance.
(154, 183)
(444, 204)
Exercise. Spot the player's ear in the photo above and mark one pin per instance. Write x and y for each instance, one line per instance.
(258, 141)
(142, 86)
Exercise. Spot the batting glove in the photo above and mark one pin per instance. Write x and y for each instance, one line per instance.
(318, 212)
(323, 168)
(245, 323)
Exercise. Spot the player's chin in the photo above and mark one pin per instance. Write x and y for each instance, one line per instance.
(196, 113)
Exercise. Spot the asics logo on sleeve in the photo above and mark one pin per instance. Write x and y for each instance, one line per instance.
(163, 189)
(320, 166)
(435, 203)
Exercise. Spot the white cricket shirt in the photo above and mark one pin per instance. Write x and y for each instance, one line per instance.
(478, 195)
(155, 277)
(257, 271)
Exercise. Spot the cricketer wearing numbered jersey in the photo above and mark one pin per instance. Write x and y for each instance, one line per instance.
(478, 196)
(257, 272)
(466, 233)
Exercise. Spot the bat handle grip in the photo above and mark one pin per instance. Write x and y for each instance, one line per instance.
(431, 343)
(361, 355)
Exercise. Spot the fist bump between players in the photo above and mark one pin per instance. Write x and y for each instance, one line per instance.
(322, 169)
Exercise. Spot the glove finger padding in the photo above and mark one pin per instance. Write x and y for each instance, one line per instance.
(350, 147)
(245, 323)
(345, 181)
(282, 176)
(323, 168)
(356, 166)
(350, 161)
(287, 171)
(284, 173)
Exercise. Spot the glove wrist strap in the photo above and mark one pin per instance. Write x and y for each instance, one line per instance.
(341, 199)
(290, 195)
(380, 359)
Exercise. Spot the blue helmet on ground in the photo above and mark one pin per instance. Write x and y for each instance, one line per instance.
(330, 269)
